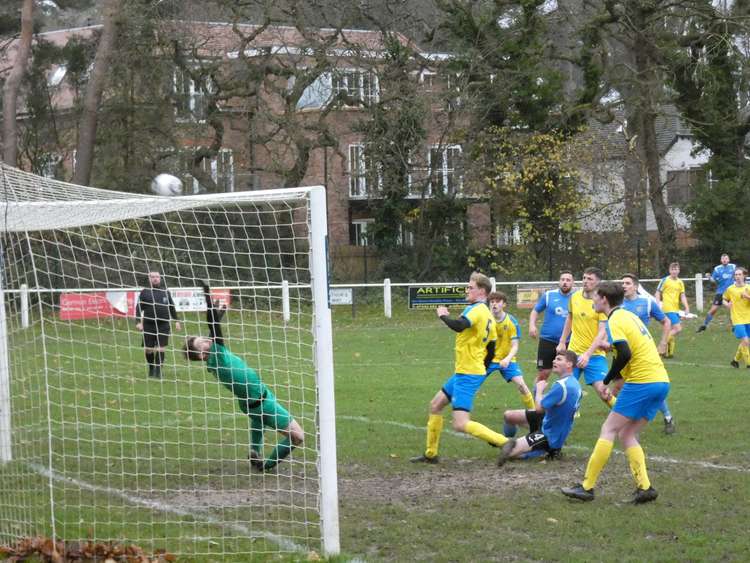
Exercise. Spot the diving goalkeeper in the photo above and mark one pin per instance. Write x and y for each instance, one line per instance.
(255, 399)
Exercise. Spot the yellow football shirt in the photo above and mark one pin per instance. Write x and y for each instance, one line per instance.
(507, 330)
(645, 365)
(585, 323)
(670, 294)
(471, 343)
(740, 310)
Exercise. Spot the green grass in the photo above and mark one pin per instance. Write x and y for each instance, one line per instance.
(128, 437)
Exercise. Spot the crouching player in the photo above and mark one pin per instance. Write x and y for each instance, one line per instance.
(255, 399)
(506, 347)
(552, 420)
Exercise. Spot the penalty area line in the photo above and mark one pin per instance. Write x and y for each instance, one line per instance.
(655, 458)
(159, 506)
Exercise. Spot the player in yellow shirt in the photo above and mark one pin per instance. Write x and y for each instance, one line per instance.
(737, 298)
(475, 347)
(508, 334)
(637, 361)
(586, 330)
(669, 294)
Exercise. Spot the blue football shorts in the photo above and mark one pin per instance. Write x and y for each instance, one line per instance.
(461, 389)
(513, 370)
(641, 400)
(741, 331)
(595, 370)
(674, 318)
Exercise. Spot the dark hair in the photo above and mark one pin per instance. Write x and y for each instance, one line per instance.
(570, 356)
(191, 353)
(563, 272)
(632, 277)
(497, 296)
(672, 264)
(612, 292)
(594, 271)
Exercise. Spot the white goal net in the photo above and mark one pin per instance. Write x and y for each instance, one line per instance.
(103, 439)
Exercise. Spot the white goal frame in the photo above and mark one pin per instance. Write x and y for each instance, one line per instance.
(20, 216)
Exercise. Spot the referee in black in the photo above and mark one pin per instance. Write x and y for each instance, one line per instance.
(153, 314)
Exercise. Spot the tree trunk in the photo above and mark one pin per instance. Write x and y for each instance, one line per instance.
(13, 84)
(89, 120)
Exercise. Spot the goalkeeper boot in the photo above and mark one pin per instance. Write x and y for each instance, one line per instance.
(256, 461)
(424, 459)
(701, 328)
(578, 492)
(642, 496)
(155, 372)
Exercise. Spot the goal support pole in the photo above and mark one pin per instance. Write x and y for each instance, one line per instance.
(329, 508)
(6, 452)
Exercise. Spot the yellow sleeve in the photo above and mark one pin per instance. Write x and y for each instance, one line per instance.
(615, 330)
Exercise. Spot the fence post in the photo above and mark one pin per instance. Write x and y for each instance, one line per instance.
(494, 284)
(699, 292)
(387, 297)
(24, 306)
(285, 301)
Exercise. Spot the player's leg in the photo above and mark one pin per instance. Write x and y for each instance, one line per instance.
(669, 426)
(545, 353)
(278, 418)
(512, 419)
(517, 377)
(435, 422)
(741, 355)
(676, 329)
(745, 346)
(150, 347)
(162, 339)
(594, 374)
(465, 390)
(711, 312)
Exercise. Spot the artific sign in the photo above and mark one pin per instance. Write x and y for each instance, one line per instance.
(428, 296)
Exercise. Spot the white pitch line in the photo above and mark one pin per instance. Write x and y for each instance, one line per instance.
(158, 506)
(661, 459)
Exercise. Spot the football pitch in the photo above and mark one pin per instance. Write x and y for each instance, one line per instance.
(463, 509)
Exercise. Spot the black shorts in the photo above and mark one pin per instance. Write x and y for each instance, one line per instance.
(155, 336)
(719, 299)
(538, 441)
(545, 354)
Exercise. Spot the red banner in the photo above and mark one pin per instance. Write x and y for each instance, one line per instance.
(76, 306)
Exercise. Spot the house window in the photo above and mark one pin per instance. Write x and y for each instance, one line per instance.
(445, 169)
(363, 179)
(358, 232)
(220, 167)
(191, 96)
(357, 85)
(507, 235)
(681, 185)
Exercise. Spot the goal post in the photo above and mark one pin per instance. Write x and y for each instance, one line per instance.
(94, 444)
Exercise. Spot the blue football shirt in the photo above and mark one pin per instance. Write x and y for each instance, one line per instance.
(556, 305)
(560, 406)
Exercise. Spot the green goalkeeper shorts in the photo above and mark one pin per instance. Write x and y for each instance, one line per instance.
(271, 413)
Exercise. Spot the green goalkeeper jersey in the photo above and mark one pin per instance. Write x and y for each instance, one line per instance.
(234, 373)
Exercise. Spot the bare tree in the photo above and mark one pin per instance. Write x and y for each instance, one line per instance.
(92, 99)
(13, 84)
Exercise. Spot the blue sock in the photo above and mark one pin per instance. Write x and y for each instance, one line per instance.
(664, 408)
(509, 430)
(709, 318)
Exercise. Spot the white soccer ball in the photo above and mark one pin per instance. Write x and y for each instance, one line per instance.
(166, 185)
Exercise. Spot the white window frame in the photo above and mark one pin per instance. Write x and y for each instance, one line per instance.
(195, 110)
(211, 166)
(341, 77)
(445, 173)
(360, 231)
(359, 175)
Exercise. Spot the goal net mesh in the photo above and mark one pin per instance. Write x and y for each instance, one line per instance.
(91, 447)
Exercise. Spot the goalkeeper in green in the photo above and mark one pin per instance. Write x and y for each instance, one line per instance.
(255, 399)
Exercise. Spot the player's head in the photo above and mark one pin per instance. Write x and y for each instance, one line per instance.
(630, 285)
(196, 348)
(566, 281)
(740, 274)
(154, 278)
(674, 269)
(564, 362)
(497, 300)
(591, 278)
(608, 296)
(725, 259)
(479, 288)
